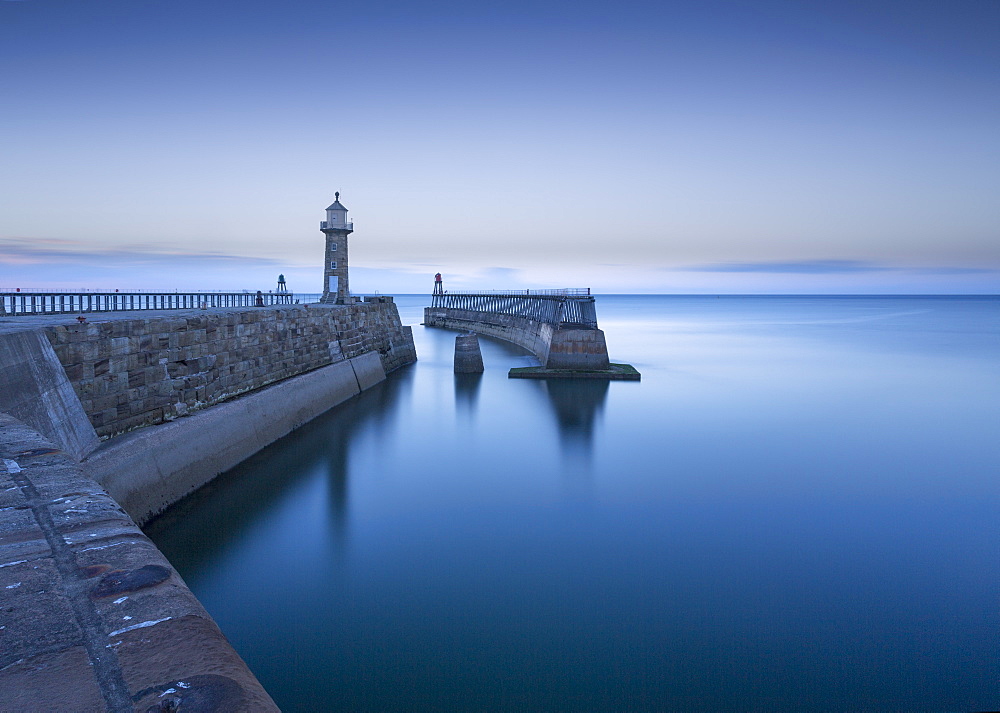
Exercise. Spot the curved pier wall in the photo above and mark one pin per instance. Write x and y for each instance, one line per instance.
(534, 336)
(577, 349)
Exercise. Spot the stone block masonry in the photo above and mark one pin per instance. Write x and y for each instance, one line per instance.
(92, 616)
(137, 372)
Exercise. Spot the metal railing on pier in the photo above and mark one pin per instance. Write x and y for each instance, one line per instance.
(557, 307)
(562, 292)
(35, 303)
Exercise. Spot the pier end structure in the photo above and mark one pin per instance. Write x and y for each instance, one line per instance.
(557, 326)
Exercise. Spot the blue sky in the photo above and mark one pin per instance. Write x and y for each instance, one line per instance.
(631, 147)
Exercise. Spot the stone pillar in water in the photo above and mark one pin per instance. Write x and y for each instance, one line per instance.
(468, 358)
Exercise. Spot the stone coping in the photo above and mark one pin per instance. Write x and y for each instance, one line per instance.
(92, 616)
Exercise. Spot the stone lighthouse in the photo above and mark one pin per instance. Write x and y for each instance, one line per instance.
(336, 289)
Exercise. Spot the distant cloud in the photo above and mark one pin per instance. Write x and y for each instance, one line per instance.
(33, 251)
(829, 267)
(954, 270)
(798, 267)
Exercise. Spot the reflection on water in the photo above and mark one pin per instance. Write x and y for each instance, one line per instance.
(577, 405)
(795, 509)
(245, 495)
(467, 393)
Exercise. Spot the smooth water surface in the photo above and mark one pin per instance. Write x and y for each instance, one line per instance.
(796, 509)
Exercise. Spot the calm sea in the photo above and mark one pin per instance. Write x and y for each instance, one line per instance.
(798, 508)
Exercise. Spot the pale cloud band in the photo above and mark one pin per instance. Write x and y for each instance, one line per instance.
(830, 267)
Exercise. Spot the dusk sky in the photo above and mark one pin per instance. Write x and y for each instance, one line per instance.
(695, 147)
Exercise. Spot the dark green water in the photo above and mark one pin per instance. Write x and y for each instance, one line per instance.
(796, 509)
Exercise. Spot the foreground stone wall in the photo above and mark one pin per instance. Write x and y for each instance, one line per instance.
(92, 616)
(137, 372)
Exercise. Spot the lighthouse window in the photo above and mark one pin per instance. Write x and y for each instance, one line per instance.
(333, 247)
(333, 264)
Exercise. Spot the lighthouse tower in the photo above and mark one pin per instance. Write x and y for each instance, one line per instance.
(336, 289)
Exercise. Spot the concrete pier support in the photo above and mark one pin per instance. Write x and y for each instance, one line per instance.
(578, 350)
(468, 356)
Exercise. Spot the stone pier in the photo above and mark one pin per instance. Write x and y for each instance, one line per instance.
(106, 422)
(557, 326)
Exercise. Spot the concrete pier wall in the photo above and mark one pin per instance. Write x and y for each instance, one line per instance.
(566, 347)
(149, 469)
(534, 336)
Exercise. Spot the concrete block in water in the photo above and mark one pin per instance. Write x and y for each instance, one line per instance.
(468, 357)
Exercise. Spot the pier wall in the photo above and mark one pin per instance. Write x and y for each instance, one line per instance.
(136, 372)
(241, 378)
(564, 347)
(533, 335)
(149, 469)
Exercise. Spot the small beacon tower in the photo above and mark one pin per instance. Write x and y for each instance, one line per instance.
(336, 289)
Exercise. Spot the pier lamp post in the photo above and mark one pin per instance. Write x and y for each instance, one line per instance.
(336, 289)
